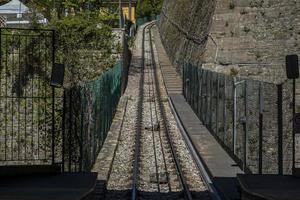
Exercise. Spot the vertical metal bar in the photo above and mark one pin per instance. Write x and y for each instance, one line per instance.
(246, 125)
(217, 105)
(32, 99)
(280, 130)
(70, 130)
(53, 126)
(294, 134)
(234, 116)
(5, 112)
(81, 130)
(260, 147)
(12, 99)
(199, 93)
(63, 131)
(25, 94)
(53, 100)
(211, 100)
(224, 111)
(206, 99)
(19, 101)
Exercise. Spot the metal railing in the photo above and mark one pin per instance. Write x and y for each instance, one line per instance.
(43, 126)
(251, 119)
(27, 128)
(88, 114)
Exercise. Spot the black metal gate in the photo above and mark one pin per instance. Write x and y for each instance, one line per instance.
(30, 112)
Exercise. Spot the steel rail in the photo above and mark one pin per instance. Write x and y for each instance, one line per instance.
(160, 133)
(134, 191)
(182, 179)
(152, 93)
(214, 193)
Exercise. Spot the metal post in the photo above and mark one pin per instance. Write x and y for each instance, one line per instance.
(63, 131)
(199, 92)
(280, 130)
(211, 100)
(261, 110)
(245, 123)
(294, 134)
(53, 125)
(234, 116)
(70, 131)
(224, 111)
(217, 106)
(53, 101)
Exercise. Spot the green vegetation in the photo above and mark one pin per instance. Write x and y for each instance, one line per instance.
(86, 45)
(149, 8)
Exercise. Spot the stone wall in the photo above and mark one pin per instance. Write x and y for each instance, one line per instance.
(248, 37)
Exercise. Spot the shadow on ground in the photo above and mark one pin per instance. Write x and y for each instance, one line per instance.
(101, 193)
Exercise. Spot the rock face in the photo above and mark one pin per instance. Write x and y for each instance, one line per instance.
(252, 36)
(246, 38)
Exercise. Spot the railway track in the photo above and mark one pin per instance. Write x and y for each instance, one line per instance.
(152, 159)
(157, 170)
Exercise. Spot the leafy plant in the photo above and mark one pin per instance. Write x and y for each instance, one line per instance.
(86, 45)
(147, 8)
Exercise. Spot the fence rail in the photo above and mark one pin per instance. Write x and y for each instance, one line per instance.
(251, 119)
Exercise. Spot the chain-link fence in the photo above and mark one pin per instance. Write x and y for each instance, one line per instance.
(89, 111)
(251, 119)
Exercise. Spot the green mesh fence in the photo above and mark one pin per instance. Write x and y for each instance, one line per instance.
(251, 119)
(89, 111)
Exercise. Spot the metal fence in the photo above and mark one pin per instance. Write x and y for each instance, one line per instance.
(89, 110)
(40, 125)
(251, 119)
(27, 102)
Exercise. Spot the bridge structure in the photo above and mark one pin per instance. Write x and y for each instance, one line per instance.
(142, 130)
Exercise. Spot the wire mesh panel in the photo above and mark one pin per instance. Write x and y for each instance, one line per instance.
(229, 112)
(214, 85)
(221, 107)
(270, 129)
(27, 106)
(241, 120)
(253, 116)
(200, 89)
(89, 113)
(252, 119)
(287, 127)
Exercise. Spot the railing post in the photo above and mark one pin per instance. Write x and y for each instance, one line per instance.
(211, 99)
(217, 106)
(53, 126)
(261, 110)
(63, 131)
(245, 125)
(70, 130)
(280, 130)
(224, 111)
(53, 100)
(234, 116)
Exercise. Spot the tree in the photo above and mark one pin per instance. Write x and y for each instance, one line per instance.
(147, 8)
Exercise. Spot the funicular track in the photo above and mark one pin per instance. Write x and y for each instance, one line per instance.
(157, 170)
(151, 159)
